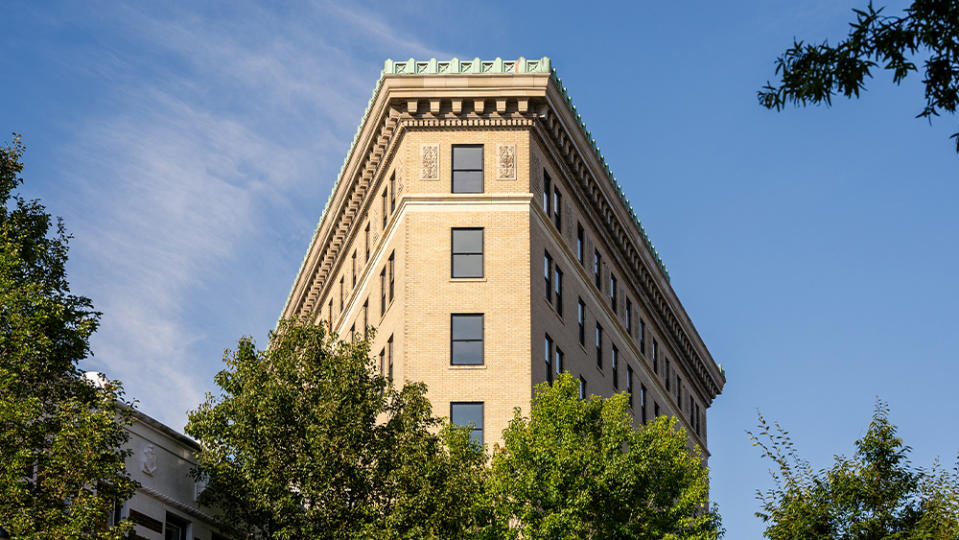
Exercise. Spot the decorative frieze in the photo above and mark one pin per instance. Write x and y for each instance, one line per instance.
(506, 162)
(430, 161)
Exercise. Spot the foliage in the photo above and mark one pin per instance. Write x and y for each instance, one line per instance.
(308, 440)
(580, 469)
(876, 494)
(814, 73)
(61, 464)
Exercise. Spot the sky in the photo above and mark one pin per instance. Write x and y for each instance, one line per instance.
(190, 148)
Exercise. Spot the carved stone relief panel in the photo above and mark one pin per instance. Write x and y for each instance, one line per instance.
(430, 161)
(149, 460)
(506, 162)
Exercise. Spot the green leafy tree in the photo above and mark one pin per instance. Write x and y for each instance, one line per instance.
(580, 469)
(877, 494)
(929, 29)
(61, 464)
(308, 440)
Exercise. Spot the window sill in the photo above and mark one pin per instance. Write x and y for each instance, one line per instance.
(467, 366)
(468, 280)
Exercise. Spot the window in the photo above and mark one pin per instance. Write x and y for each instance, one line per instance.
(548, 355)
(353, 333)
(629, 384)
(667, 373)
(383, 362)
(558, 362)
(655, 409)
(382, 292)
(692, 417)
(655, 357)
(642, 401)
(582, 388)
(329, 316)
(612, 291)
(467, 168)
(383, 198)
(353, 271)
(469, 415)
(366, 241)
(581, 319)
(392, 192)
(466, 339)
(598, 269)
(548, 275)
(389, 359)
(614, 365)
(580, 244)
(557, 211)
(547, 188)
(175, 528)
(697, 420)
(341, 295)
(679, 392)
(629, 317)
(599, 346)
(642, 336)
(558, 289)
(366, 318)
(392, 267)
(467, 253)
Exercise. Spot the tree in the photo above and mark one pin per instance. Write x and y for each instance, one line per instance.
(307, 440)
(580, 469)
(61, 464)
(876, 494)
(814, 73)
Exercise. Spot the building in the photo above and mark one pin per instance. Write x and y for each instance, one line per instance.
(477, 226)
(165, 506)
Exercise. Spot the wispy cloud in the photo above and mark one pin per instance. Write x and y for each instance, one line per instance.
(196, 192)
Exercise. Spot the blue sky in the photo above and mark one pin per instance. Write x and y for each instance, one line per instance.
(190, 148)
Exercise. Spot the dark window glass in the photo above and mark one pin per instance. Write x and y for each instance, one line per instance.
(383, 198)
(392, 192)
(557, 210)
(353, 271)
(389, 359)
(582, 388)
(629, 317)
(467, 253)
(366, 318)
(679, 392)
(655, 357)
(642, 401)
(558, 288)
(548, 275)
(614, 365)
(581, 319)
(392, 274)
(383, 362)
(629, 383)
(612, 291)
(580, 244)
(366, 241)
(468, 415)
(466, 339)
(341, 295)
(175, 528)
(642, 336)
(558, 362)
(598, 269)
(547, 188)
(599, 346)
(467, 169)
(382, 292)
(548, 356)
(655, 409)
(667, 373)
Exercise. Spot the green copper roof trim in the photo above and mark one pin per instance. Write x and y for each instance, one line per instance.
(477, 66)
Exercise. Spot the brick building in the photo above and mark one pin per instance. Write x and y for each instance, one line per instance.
(477, 227)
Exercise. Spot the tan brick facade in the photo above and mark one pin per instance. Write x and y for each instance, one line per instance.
(527, 131)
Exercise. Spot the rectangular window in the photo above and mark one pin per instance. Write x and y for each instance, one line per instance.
(389, 359)
(629, 384)
(612, 291)
(629, 317)
(581, 319)
(175, 528)
(655, 409)
(366, 319)
(341, 295)
(580, 244)
(558, 289)
(469, 415)
(353, 271)
(582, 388)
(383, 362)
(466, 339)
(366, 242)
(329, 316)
(548, 275)
(548, 356)
(467, 168)
(642, 401)
(599, 346)
(557, 211)
(547, 188)
(392, 192)
(667, 372)
(614, 365)
(558, 361)
(692, 418)
(467, 253)
(598, 269)
(642, 336)
(382, 292)
(353, 333)
(392, 267)
(679, 392)
(655, 357)
(383, 198)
